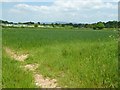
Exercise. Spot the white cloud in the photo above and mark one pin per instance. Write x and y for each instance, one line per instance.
(52, 0)
(66, 10)
(31, 7)
(68, 5)
(25, 0)
(11, 0)
(84, 4)
(115, 0)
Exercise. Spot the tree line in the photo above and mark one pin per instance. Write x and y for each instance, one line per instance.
(98, 25)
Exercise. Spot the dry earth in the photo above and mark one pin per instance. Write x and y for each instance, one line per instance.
(40, 81)
(15, 56)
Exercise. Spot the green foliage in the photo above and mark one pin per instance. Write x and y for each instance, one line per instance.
(52, 25)
(112, 24)
(35, 25)
(76, 58)
(63, 25)
(99, 25)
(13, 76)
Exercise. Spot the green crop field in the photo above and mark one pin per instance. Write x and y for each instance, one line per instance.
(75, 58)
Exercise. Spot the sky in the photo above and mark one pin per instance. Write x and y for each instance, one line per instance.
(75, 11)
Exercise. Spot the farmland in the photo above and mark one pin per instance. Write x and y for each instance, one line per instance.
(75, 58)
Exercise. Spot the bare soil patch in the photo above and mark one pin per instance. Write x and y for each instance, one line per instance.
(40, 81)
(14, 55)
(31, 67)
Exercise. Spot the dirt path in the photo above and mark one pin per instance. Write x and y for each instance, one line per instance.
(45, 82)
(16, 56)
(39, 80)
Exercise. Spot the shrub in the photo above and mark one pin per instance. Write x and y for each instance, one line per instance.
(35, 25)
(99, 25)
